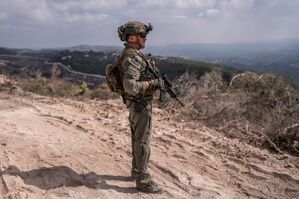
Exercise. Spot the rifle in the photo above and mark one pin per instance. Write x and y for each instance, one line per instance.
(168, 86)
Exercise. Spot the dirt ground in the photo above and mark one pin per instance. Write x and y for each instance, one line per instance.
(62, 148)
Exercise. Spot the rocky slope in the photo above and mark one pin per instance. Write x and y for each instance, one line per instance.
(62, 148)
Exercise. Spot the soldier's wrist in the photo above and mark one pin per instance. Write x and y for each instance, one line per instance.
(146, 85)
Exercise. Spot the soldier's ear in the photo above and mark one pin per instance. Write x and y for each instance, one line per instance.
(131, 38)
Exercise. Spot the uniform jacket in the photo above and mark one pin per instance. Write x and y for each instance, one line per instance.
(134, 71)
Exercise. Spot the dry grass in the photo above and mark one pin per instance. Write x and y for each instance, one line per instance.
(258, 109)
(261, 110)
(60, 88)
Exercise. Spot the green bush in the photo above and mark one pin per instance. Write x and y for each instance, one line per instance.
(61, 88)
(80, 90)
(38, 85)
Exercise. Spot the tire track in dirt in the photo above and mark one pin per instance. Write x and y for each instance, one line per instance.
(282, 176)
(239, 170)
(186, 152)
(170, 176)
(266, 181)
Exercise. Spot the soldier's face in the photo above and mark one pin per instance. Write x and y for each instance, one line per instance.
(137, 39)
(141, 40)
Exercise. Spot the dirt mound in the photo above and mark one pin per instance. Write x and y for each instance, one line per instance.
(64, 148)
(61, 148)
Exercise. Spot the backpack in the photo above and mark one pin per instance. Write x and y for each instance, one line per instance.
(114, 77)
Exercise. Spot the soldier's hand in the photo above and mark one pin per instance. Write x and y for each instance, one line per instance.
(157, 83)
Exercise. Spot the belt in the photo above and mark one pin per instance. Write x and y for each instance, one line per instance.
(139, 99)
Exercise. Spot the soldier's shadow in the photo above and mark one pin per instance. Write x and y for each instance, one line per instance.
(52, 177)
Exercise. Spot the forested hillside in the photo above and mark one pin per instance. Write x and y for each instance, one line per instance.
(96, 62)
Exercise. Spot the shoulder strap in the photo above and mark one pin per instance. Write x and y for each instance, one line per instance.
(148, 64)
(124, 53)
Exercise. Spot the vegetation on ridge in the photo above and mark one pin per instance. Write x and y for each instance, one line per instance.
(259, 109)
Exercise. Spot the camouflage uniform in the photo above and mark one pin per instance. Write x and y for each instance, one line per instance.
(139, 86)
(139, 102)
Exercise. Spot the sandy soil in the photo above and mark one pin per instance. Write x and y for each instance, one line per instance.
(61, 148)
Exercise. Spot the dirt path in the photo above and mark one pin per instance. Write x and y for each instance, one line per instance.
(60, 148)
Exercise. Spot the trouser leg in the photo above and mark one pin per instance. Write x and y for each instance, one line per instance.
(141, 124)
(134, 166)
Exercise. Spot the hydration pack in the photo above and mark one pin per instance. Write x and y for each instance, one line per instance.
(114, 77)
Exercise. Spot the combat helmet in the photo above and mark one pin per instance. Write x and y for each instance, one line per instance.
(133, 27)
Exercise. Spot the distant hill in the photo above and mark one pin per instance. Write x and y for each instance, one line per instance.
(96, 48)
(278, 57)
(207, 51)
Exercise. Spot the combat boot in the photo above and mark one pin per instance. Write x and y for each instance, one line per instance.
(150, 187)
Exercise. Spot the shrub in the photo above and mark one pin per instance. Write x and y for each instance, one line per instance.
(213, 83)
(103, 92)
(43, 86)
(38, 85)
(61, 88)
(267, 86)
(80, 90)
(259, 109)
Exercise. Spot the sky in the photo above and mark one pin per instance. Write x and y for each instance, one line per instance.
(62, 23)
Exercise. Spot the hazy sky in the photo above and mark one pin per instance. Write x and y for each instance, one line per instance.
(57, 23)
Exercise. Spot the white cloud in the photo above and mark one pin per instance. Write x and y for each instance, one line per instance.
(187, 20)
(198, 4)
(26, 12)
(103, 4)
(273, 3)
(86, 5)
(89, 11)
(180, 16)
(176, 4)
(55, 12)
(2, 16)
(88, 18)
(64, 6)
(236, 4)
(195, 4)
(41, 16)
(212, 12)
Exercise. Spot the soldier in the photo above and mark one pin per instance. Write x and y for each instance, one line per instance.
(139, 86)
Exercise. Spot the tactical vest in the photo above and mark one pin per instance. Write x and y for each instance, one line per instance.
(145, 75)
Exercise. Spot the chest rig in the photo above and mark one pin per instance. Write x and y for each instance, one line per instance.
(145, 75)
(146, 62)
